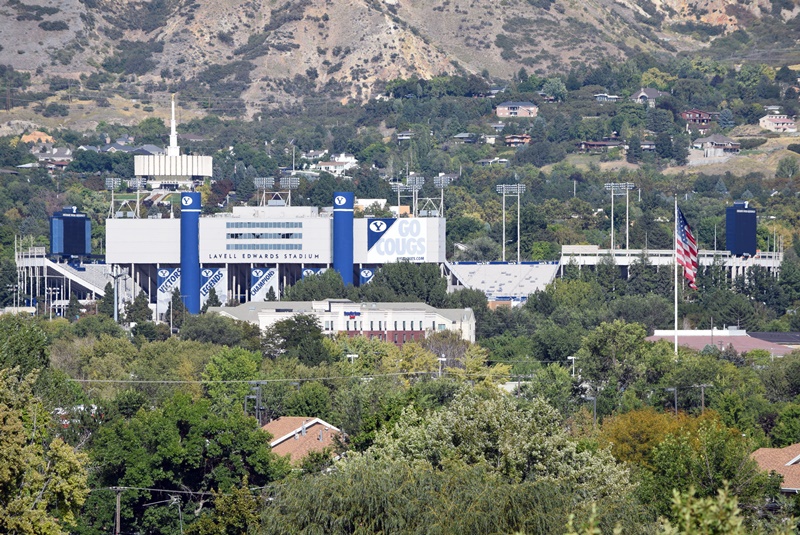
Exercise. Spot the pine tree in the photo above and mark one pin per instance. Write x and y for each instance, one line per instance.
(212, 301)
(105, 305)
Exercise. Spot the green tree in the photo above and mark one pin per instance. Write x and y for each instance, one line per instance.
(326, 285)
(105, 305)
(787, 167)
(43, 481)
(25, 345)
(176, 311)
(138, 310)
(634, 153)
(726, 120)
(555, 88)
(312, 399)
(73, 311)
(212, 301)
(523, 442)
(182, 445)
(230, 364)
(708, 458)
(297, 337)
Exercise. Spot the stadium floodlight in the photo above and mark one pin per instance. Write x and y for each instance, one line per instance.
(264, 182)
(290, 182)
(398, 187)
(511, 189)
(441, 182)
(620, 188)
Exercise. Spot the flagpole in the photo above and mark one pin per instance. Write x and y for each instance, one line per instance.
(675, 268)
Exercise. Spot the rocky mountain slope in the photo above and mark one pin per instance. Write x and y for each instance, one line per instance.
(272, 51)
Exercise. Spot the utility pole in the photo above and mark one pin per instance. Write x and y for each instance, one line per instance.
(117, 526)
(116, 274)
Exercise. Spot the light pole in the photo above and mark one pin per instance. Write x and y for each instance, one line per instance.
(616, 188)
(593, 399)
(702, 388)
(675, 393)
(511, 189)
(352, 357)
(572, 358)
(442, 360)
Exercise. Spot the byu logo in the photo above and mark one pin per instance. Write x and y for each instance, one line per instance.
(308, 272)
(257, 273)
(207, 273)
(340, 200)
(366, 273)
(163, 273)
(186, 201)
(377, 226)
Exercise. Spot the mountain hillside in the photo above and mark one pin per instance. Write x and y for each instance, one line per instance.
(254, 53)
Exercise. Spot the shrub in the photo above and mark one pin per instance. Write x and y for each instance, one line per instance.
(54, 26)
(752, 142)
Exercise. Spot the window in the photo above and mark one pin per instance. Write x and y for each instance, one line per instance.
(412, 325)
(395, 327)
(348, 325)
(395, 338)
(371, 326)
(404, 326)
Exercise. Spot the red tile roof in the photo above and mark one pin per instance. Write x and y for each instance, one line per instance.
(741, 344)
(297, 436)
(785, 461)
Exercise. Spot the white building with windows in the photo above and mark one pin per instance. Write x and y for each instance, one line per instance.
(397, 323)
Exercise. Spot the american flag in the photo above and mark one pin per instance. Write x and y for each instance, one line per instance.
(686, 249)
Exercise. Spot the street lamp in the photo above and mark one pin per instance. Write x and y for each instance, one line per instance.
(572, 358)
(675, 392)
(511, 189)
(442, 360)
(352, 357)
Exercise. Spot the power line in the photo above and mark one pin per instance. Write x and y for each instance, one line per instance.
(243, 381)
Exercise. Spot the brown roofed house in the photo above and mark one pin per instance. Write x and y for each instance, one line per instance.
(785, 461)
(297, 436)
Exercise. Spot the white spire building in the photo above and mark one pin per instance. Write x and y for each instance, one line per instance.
(172, 170)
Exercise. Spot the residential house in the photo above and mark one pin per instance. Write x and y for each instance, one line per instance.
(784, 461)
(777, 123)
(125, 139)
(517, 140)
(647, 95)
(89, 147)
(465, 137)
(314, 154)
(405, 135)
(648, 146)
(489, 162)
(716, 145)
(397, 323)
(498, 126)
(298, 436)
(50, 154)
(599, 146)
(191, 138)
(605, 97)
(698, 120)
(338, 165)
(545, 97)
(115, 147)
(149, 150)
(517, 109)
